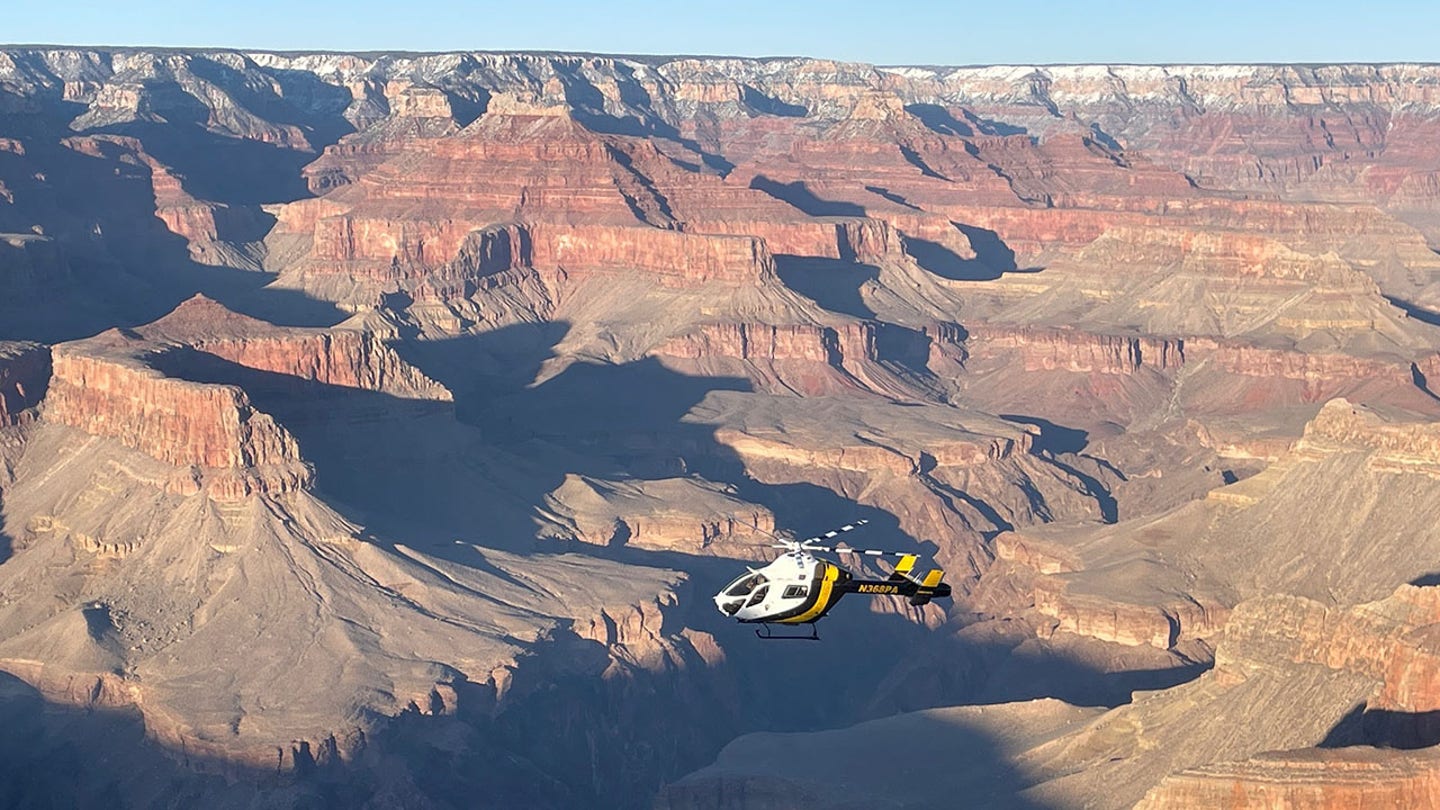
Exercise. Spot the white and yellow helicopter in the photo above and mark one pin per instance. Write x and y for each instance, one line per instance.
(798, 588)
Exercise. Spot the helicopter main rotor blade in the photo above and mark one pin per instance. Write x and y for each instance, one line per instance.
(848, 527)
(870, 552)
(808, 545)
(770, 534)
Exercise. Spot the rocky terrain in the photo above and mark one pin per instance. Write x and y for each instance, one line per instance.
(375, 427)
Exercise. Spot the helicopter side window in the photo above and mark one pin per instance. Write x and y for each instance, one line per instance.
(793, 591)
(746, 585)
(759, 596)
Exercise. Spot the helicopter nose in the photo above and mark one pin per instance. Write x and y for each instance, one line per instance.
(730, 608)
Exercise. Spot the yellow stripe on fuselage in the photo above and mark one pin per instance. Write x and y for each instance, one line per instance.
(827, 587)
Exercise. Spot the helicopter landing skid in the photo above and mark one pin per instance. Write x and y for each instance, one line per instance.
(767, 633)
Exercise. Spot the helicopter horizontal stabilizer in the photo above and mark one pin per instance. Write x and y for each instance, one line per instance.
(929, 588)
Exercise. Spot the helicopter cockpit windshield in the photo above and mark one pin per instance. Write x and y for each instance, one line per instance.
(732, 598)
(745, 585)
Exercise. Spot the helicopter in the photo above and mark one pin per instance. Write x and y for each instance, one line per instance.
(797, 588)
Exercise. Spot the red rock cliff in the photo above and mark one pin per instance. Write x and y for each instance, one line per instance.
(1073, 350)
(102, 390)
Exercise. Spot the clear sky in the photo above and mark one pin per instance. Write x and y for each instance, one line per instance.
(894, 32)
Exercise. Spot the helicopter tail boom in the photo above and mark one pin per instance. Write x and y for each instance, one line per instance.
(902, 583)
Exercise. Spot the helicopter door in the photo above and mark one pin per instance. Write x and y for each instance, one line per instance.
(758, 596)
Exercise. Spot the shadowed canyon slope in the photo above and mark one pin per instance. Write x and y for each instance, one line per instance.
(375, 427)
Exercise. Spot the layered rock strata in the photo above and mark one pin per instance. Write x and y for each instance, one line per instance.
(1162, 579)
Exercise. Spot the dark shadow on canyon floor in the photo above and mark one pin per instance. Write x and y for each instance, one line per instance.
(799, 195)
(831, 283)
(947, 264)
(1384, 728)
(7, 543)
(988, 126)
(990, 249)
(1014, 677)
(939, 119)
(993, 258)
(1056, 441)
(1415, 311)
(1053, 438)
(766, 104)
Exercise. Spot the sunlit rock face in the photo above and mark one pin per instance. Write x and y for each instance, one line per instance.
(375, 427)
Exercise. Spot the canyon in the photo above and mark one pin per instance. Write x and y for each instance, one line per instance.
(374, 429)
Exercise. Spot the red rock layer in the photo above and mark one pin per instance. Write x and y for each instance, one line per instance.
(1104, 618)
(1246, 127)
(749, 341)
(342, 356)
(867, 241)
(883, 161)
(527, 185)
(1320, 375)
(1312, 779)
(673, 257)
(1230, 224)
(99, 389)
(817, 359)
(1395, 641)
(1121, 622)
(1074, 350)
(347, 358)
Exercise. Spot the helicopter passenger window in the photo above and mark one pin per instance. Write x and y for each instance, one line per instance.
(746, 585)
(759, 596)
(794, 591)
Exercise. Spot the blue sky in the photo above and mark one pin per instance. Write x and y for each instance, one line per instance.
(894, 32)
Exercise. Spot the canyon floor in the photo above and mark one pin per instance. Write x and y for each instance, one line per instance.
(375, 428)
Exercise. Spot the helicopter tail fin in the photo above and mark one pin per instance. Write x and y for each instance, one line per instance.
(903, 569)
(930, 587)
